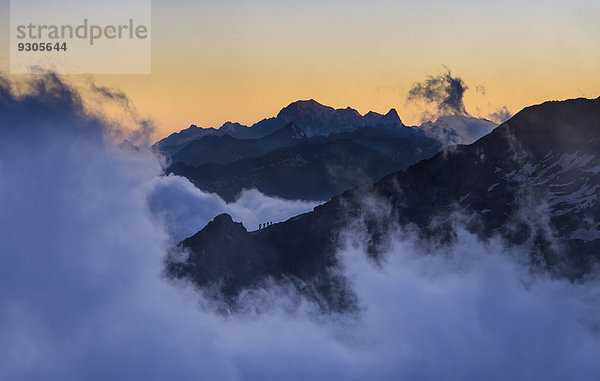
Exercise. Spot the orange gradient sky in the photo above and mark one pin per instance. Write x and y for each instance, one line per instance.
(244, 60)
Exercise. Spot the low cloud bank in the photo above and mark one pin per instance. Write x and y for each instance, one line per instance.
(83, 296)
(185, 209)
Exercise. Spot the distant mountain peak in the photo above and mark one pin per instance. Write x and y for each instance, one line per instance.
(353, 111)
(309, 116)
(316, 119)
(303, 108)
(393, 114)
(374, 118)
(231, 127)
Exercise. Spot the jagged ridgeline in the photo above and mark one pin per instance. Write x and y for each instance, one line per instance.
(534, 181)
(310, 151)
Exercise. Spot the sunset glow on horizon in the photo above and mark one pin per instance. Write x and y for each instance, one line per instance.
(244, 61)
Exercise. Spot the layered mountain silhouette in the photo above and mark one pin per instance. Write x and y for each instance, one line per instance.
(305, 171)
(226, 149)
(275, 155)
(311, 117)
(315, 119)
(534, 182)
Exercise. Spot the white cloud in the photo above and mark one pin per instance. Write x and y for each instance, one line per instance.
(185, 209)
(82, 296)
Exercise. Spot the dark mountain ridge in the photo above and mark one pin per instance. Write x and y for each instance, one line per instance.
(307, 171)
(534, 181)
(226, 149)
(316, 119)
(313, 118)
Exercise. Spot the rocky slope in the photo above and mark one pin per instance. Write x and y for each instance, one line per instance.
(534, 182)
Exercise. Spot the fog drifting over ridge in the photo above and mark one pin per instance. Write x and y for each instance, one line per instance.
(185, 209)
(83, 294)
